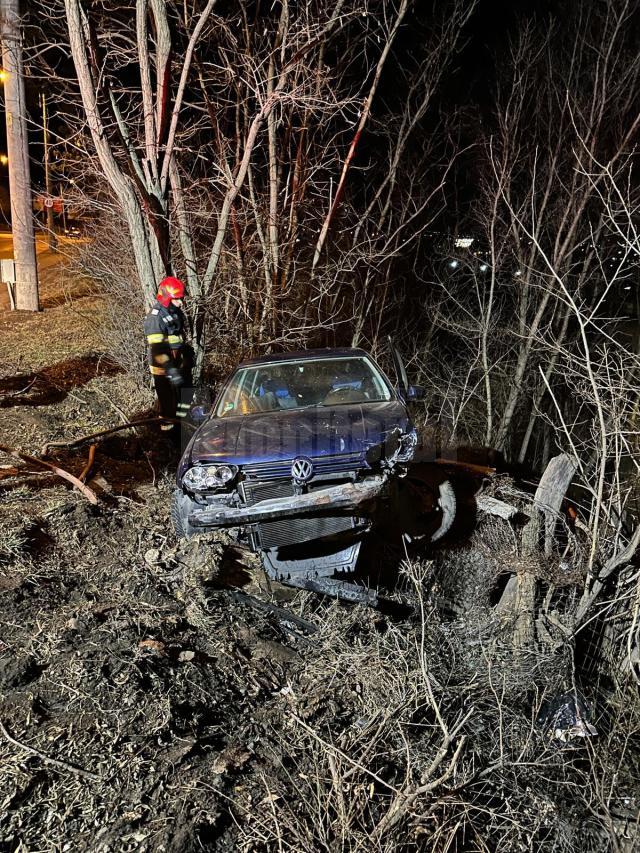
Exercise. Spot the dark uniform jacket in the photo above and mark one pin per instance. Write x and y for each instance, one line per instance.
(164, 329)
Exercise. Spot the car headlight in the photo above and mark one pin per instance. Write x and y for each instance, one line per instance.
(209, 476)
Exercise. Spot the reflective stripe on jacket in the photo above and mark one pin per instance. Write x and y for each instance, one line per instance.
(163, 328)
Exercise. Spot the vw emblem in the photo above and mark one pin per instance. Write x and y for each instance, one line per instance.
(302, 469)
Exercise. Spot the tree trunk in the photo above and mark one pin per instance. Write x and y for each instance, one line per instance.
(24, 248)
(546, 504)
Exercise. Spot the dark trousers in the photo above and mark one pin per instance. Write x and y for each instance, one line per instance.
(167, 397)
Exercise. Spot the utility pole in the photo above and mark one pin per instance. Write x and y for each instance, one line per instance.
(53, 243)
(24, 247)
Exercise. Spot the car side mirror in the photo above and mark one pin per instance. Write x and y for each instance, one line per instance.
(198, 414)
(200, 404)
(416, 392)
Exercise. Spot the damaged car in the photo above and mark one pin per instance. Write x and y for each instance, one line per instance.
(301, 455)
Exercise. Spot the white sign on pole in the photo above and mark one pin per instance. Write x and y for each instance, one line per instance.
(8, 270)
(8, 275)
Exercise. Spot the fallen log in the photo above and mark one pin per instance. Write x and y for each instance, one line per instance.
(60, 472)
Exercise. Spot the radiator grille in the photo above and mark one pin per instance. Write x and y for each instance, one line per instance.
(321, 465)
(291, 531)
(254, 492)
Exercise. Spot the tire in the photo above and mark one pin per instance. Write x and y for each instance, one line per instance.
(447, 504)
(180, 508)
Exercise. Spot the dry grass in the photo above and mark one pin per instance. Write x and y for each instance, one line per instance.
(206, 725)
(64, 328)
(13, 538)
(213, 726)
(420, 736)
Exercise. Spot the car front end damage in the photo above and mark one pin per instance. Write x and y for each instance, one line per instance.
(306, 517)
(300, 457)
(345, 497)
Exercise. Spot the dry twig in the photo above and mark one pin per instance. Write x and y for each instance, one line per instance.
(55, 762)
(24, 390)
(87, 468)
(77, 442)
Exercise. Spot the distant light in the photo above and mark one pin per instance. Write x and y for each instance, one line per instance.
(453, 264)
(518, 272)
(483, 267)
(4, 159)
(3, 75)
(628, 287)
(463, 242)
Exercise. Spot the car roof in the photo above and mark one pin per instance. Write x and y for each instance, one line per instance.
(307, 354)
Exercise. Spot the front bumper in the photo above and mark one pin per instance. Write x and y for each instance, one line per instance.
(345, 498)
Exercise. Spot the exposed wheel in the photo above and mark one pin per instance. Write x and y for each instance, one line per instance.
(447, 504)
(181, 506)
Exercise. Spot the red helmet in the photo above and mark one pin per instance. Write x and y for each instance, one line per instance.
(168, 289)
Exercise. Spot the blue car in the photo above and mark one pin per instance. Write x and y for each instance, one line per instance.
(297, 457)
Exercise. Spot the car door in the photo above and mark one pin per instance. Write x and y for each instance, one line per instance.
(401, 371)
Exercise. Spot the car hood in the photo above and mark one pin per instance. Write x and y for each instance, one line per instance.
(313, 432)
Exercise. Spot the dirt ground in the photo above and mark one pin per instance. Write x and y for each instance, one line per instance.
(104, 666)
(145, 706)
(135, 689)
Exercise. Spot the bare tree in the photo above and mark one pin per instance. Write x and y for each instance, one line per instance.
(562, 122)
(234, 169)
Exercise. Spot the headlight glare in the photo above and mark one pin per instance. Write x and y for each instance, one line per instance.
(195, 477)
(210, 477)
(226, 473)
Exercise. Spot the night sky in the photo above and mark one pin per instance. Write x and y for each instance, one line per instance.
(468, 86)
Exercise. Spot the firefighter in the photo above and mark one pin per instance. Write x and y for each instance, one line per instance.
(168, 361)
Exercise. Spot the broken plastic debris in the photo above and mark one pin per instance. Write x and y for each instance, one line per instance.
(152, 556)
(566, 717)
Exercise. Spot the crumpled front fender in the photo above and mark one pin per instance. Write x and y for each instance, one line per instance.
(347, 497)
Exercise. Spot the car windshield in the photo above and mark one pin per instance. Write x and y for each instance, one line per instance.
(303, 383)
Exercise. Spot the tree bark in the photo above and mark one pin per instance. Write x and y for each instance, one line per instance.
(24, 248)
(546, 504)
